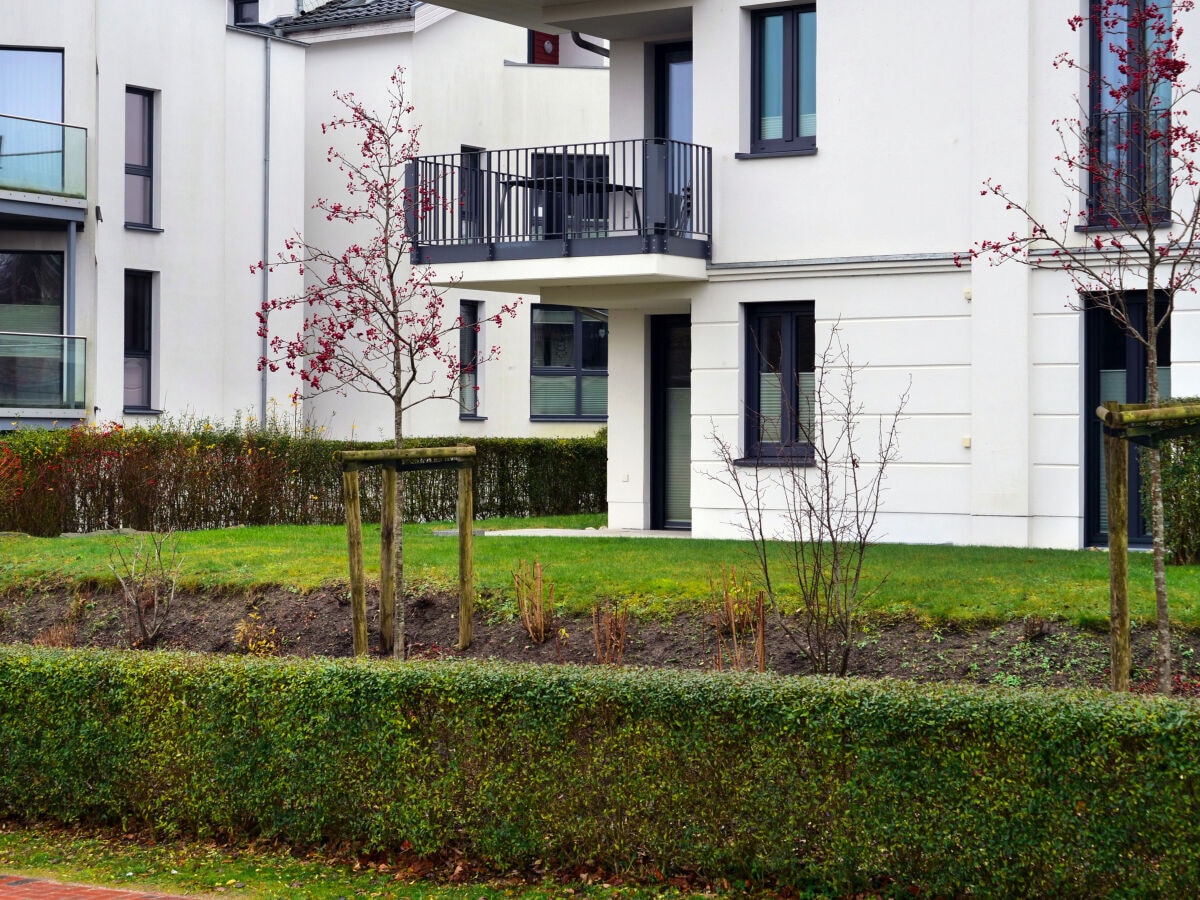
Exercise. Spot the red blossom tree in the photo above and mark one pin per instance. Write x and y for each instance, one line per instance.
(1128, 233)
(372, 322)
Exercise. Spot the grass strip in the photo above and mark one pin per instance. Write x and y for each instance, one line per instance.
(941, 585)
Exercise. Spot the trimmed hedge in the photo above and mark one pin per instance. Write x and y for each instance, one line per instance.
(86, 479)
(1181, 494)
(841, 784)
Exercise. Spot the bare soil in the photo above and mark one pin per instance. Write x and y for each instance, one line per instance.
(280, 622)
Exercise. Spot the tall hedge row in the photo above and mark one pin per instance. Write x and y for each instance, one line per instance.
(159, 478)
(847, 785)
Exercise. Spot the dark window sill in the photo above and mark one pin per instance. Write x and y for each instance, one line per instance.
(781, 458)
(568, 418)
(768, 154)
(468, 417)
(1121, 227)
(140, 411)
(134, 226)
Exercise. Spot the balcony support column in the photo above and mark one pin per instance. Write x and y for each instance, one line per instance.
(69, 280)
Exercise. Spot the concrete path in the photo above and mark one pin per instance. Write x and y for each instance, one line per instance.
(19, 887)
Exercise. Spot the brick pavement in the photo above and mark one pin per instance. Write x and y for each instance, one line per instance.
(19, 887)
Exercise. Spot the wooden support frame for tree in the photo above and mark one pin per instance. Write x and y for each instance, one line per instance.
(1148, 426)
(393, 461)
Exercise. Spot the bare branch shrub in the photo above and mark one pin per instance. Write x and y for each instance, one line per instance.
(738, 617)
(610, 623)
(149, 573)
(830, 509)
(534, 603)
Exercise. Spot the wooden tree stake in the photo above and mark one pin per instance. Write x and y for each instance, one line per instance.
(387, 580)
(466, 555)
(1116, 469)
(358, 592)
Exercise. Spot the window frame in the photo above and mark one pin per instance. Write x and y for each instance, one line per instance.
(239, 7)
(576, 370)
(139, 170)
(792, 448)
(141, 283)
(1099, 214)
(471, 331)
(790, 141)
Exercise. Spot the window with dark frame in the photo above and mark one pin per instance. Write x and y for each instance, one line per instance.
(780, 381)
(783, 59)
(468, 355)
(139, 339)
(1128, 161)
(245, 12)
(139, 157)
(568, 372)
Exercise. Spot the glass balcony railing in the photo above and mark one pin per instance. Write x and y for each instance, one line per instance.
(43, 157)
(42, 371)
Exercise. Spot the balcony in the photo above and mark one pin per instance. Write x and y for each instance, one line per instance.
(42, 375)
(636, 210)
(43, 172)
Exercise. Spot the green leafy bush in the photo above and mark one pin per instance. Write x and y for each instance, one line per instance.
(213, 476)
(1181, 495)
(839, 784)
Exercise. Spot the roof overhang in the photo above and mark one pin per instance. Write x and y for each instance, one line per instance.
(614, 21)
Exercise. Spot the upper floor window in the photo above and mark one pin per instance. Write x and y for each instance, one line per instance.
(139, 157)
(469, 381)
(780, 381)
(245, 12)
(568, 372)
(783, 56)
(31, 83)
(1127, 164)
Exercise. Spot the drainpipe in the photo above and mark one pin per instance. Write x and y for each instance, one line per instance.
(588, 45)
(266, 215)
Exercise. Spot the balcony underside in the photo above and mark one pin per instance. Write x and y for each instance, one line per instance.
(530, 274)
(33, 212)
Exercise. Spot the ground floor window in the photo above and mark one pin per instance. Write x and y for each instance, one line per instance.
(779, 381)
(568, 371)
(31, 319)
(1115, 369)
(138, 339)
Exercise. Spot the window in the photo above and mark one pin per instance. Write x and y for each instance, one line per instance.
(138, 339)
(468, 355)
(779, 381)
(31, 94)
(783, 57)
(568, 372)
(245, 12)
(139, 157)
(31, 83)
(1127, 164)
(31, 303)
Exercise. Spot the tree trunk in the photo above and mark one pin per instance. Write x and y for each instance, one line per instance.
(1157, 527)
(399, 639)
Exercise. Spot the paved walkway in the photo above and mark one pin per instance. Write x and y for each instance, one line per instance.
(18, 887)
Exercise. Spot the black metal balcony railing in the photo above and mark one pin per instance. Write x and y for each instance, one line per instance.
(1129, 168)
(597, 199)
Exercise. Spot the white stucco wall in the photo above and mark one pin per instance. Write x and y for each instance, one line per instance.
(466, 90)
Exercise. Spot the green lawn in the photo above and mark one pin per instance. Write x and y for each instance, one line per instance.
(210, 870)
(939, 584)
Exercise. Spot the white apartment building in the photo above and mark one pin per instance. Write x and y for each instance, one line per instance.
(771, 169)
(150, 155)
(147, 158)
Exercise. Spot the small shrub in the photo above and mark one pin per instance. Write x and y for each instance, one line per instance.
(252, 636)
(149, 573)
(738, 616)
(1180, 459)
(60, 634)
(610, 623)
(535, 600)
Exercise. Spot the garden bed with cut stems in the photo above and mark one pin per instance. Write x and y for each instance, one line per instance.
(1028, 652)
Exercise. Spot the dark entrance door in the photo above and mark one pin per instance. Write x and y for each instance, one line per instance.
(1115, 369)
(671, 421)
